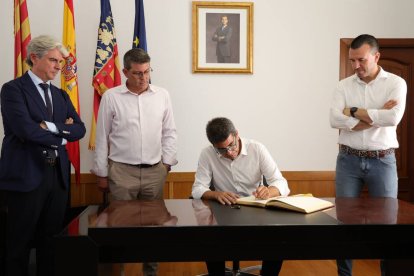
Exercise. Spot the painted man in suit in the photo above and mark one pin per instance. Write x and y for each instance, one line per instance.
(38, 119)
(222, 36)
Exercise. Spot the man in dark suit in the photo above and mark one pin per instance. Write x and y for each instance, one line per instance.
(223, 35)
(38, 119)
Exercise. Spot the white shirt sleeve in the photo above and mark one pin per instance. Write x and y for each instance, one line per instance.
(203, 176)
(169, 136)
(271, 172)
(103, 128)
(391, 117)
(337, 118)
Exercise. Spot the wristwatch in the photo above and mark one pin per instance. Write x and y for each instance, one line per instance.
(353, 110)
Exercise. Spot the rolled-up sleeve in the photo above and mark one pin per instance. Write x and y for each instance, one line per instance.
(271, 172)
(393, 116)
(337, 118)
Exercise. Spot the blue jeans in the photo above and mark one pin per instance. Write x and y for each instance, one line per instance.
(379, 174)
(352, 173)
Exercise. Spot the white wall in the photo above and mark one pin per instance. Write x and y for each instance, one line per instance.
(284, 104)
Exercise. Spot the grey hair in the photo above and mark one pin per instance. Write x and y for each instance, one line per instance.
(41, 45)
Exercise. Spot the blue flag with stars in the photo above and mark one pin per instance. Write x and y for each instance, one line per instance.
(140, 37)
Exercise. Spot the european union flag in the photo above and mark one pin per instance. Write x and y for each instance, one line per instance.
(140, 38)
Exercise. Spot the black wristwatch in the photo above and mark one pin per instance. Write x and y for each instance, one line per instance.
(353, 110)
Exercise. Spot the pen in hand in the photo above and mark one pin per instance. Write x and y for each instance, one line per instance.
(257, 190)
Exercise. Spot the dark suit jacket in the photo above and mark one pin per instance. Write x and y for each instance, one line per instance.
(22, 160)
(223, 46)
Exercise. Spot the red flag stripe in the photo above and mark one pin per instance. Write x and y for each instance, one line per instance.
(106, 71)
(22, 37)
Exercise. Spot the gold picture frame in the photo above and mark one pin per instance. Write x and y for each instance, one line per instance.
(222, 37)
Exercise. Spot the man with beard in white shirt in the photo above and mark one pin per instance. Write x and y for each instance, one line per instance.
(367, 108)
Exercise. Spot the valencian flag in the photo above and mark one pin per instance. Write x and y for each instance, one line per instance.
(106, 73)
(69, 78)
(140, 37)
(21, 37)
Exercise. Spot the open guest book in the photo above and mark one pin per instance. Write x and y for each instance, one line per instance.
(303, 203)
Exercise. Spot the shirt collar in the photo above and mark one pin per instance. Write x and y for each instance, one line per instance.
(125, 89)
(381, 75)
(36, 80)
(244, 145)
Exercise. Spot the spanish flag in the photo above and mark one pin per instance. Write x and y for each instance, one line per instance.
(69, 78)
(106, 73)
(21, 37)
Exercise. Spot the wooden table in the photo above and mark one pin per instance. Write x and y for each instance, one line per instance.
(194, 230)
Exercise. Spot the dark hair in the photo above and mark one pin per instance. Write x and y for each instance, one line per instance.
(219, 129)
(365, 39)
(135, 55)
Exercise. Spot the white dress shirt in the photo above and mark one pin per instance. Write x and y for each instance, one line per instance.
(242, 175)
(135, 129)
(50, 125)
(353, 92)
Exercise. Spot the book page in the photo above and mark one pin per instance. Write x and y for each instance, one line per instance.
(305, 204)
(252, 200)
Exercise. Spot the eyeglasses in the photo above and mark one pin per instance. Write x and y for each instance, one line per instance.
(145, 73)
(231, 147)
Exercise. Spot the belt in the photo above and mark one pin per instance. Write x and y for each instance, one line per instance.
(51, 161)
(50, 157)
(366, 153)
(144, 166)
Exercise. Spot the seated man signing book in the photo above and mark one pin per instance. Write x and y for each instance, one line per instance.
(233, 167)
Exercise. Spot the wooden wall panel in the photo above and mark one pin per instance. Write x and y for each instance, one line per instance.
(85, 193)
(178, 186)
(318, 183)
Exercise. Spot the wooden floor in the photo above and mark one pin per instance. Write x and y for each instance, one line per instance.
(289, 268)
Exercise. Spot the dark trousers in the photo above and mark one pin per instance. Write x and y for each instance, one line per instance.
(269, 268)
(3, 212)
(33, 218)
(223, 59)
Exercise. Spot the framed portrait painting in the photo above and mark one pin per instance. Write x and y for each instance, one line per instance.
(222, 37)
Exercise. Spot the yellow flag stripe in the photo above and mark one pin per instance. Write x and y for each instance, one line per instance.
(25, 29)
(69, 41)
(21, 36)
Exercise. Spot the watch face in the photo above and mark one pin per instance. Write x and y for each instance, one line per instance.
(353, 110)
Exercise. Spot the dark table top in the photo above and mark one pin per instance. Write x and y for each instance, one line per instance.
(193, 213)
(205, 230)
(195, 230)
